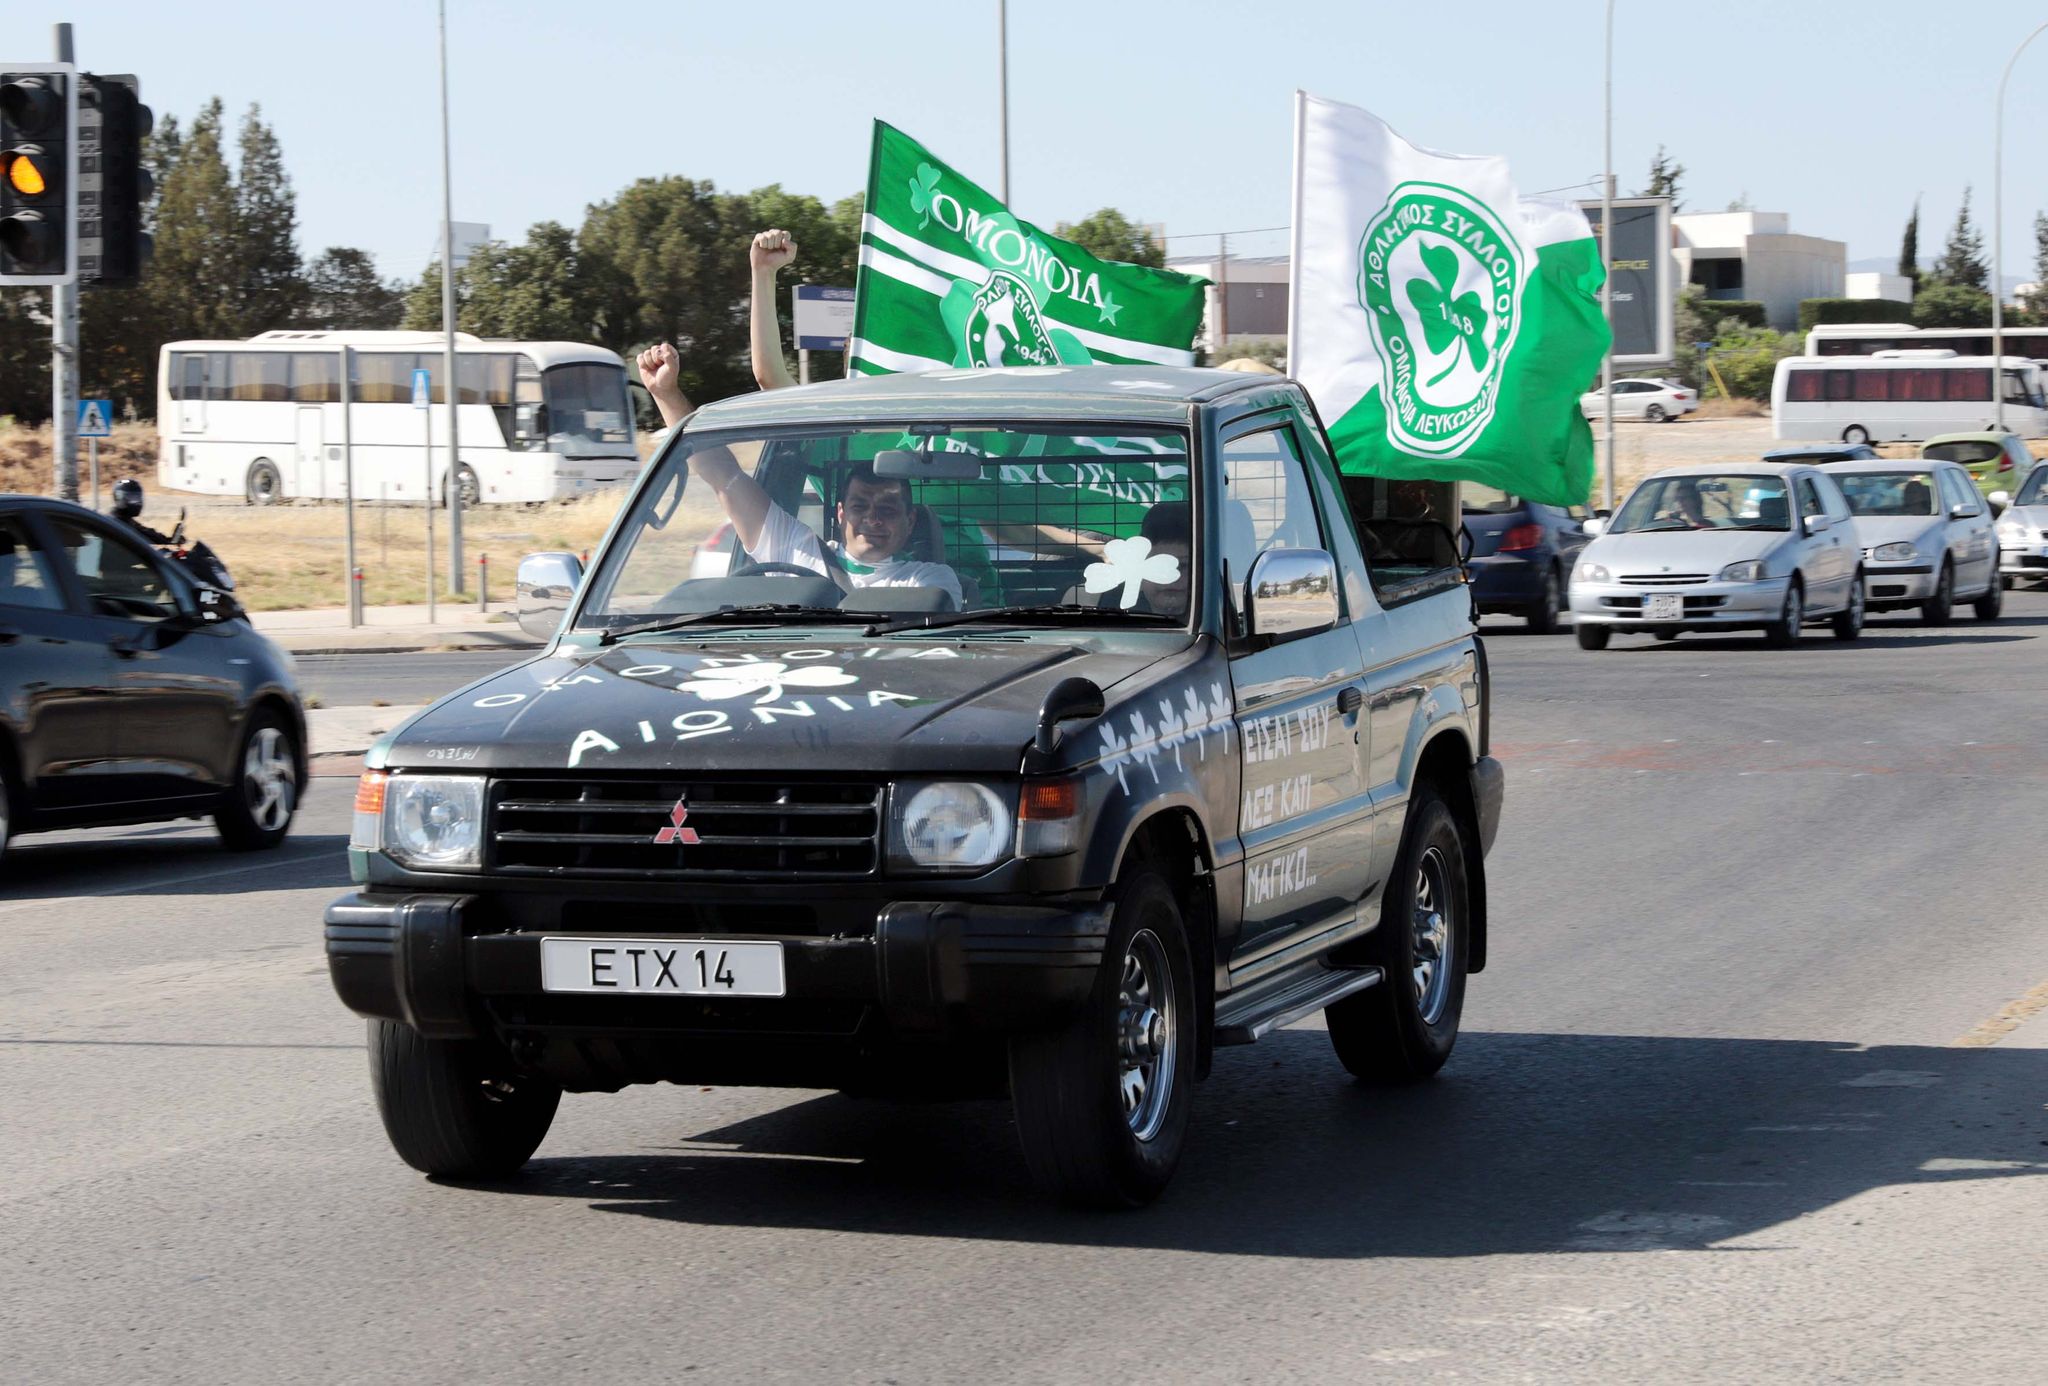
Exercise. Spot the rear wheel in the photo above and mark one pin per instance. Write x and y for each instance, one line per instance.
(256, 811)
(1591, 637)
(1988, 606)
(1402, 1030)
(1855, 433)
(1934, 611)
(456, 1107)
(1543, 617)
(466, 490)
(1849, 621)
(1102, 1102)
(1791, 617)
(1653, 413)
(264, 486)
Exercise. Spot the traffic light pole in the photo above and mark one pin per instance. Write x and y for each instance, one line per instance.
(451, 386)
(64, 341)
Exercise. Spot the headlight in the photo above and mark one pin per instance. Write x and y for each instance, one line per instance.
(1895, 553)
(1748, 570)
(956, 823)
(2015, 533)
(1591, 572)
(435, 822)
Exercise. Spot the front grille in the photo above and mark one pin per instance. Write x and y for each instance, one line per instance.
(632, 829)
(2029, 560)
(1661, 579)
(1633, 606)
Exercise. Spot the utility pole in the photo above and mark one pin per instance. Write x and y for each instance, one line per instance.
(64, 325)
(1607, 265)
(1222, 293)
(450, 390)
(1998, 231)
(1003, 87)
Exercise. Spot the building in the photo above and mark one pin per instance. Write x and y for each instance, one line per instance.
(1876, 284)
(1257, 306)
(1756, 256)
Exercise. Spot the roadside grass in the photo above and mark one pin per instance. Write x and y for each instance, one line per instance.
(1719, 408)
(25, 458)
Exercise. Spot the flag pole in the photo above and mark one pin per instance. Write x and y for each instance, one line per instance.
(1607, 264)
(1003, 86)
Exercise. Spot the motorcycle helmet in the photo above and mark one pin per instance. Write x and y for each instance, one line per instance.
(127, 498)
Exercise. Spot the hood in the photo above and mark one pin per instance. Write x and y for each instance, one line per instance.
(2032, 516)
(748, 704)
(1681, 550)
(1873, 530)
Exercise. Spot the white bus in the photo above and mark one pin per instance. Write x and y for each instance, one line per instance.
(1869, 338)
(263, 418)
(1901, 397)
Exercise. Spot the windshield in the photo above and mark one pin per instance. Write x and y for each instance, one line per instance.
(2035, 491)
(1705, 502)
(587, 405)
(825, 525)
(1965, 451)
(1888, 493)
(1477, 499)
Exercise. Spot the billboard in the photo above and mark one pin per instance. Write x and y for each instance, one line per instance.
(1642, 289)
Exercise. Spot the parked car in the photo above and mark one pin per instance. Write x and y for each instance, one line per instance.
(2023, 531)
(1819, 455)
(1760, 546)
(1652, 400)
(1927, 537)
(1997, 462)
(1522, 553)
(129, 692)
(1168, 771)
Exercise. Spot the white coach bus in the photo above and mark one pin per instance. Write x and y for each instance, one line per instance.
(1902, 397)
(263, 418)
(1869, 338)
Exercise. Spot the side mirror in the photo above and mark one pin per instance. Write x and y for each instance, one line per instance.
(1999, 501)
(1291, 592)
(216, 605)
(1594, 527)
(1960, 511)
(546, 583)
(1818, 524)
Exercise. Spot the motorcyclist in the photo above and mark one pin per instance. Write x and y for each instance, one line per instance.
(128, 510)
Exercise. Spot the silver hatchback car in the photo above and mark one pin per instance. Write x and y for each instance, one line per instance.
(1927, 536)
(2023, 531)
(1758, 546)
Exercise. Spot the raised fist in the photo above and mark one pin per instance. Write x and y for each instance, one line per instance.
(771, 250)
(660, 368)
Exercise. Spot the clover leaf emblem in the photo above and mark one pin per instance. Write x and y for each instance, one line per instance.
(1447, 322)
(767, 677)
(1127, 563)
(921, 189)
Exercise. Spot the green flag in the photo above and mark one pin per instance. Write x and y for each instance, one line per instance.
(1444, 325)
(949, 278)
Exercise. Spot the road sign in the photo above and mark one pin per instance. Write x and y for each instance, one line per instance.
(824, 317)
(1643, 290)
(422, 392)
(95, 418)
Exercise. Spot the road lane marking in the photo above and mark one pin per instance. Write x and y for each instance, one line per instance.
(1986, 1033)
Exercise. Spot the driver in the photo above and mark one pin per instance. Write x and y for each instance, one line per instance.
(128, 510)
(1686, 495)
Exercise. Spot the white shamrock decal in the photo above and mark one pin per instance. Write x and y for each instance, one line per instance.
(767, 677)
(1127, 563)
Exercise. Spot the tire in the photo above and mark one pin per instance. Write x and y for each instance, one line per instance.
(1591, 637)
(1855, 433)
(1086, 1138)
(2008, 583)
(1935, 610)
(4, 805)
(1402, 1030)
(256, 811)
(1543, 619)
(456, 1108)
(1848, 623)
(466, 488)
(1653, 413)
(1784, 632)
(1667, 635)
(264, 486)
(1991, 604)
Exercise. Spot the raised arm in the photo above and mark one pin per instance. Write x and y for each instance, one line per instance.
(770, 251)
(746, 504)
(660, 372)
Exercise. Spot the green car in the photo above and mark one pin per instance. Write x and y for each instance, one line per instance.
(1995, 461)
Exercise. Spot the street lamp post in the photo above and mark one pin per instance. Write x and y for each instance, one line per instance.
(1607, 264)
(450, 386)
(1003, 87)
(1998, 230)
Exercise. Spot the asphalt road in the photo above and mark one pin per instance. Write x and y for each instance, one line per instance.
(401, 680)
(1735, 1102)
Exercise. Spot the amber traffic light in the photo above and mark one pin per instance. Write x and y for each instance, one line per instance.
(35, 194)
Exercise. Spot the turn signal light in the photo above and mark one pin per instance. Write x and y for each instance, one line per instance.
(366, 830)
(25, 176)
(370, 791)
(1048, 817)
(1049, 799)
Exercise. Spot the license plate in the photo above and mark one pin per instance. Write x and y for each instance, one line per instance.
(661, 966)
(1664, 607)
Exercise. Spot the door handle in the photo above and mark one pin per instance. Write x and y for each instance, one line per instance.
(1349, 700)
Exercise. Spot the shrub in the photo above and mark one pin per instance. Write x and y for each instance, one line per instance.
(1746, 358)
(1814, 311)
(1746, 311)
(1942, 304)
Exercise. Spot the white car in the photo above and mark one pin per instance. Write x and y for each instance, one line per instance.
(2023, 531)
(1652, 400)
(1926, 536)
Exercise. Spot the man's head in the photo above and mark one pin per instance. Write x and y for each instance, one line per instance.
(874, 516)
(1687, 498)
(1170, 527)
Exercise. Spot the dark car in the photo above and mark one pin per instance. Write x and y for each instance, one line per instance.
(1522, 553)
(1125, 753)
(1820, 454)
(130, 692)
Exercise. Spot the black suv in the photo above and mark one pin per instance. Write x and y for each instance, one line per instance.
(1081, 741)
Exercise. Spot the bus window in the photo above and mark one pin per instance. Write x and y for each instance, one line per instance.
(588, 403)
(1841, 384)
(257, 375)
(315, 379)
(1970, 385)
(1803, 385)
(384, 377)
(2016, 391)
(1874, 385)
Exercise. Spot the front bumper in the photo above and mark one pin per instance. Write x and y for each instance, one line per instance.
(1898, 584)
(440, 964)
(2027, 560)
(1707, 604)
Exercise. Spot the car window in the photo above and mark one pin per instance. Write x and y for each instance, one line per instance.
(1960, 491)
(118, 576)
(1266, 505)
(1890, 493)
(1809, 499)
(1475, 498)
(25, 576)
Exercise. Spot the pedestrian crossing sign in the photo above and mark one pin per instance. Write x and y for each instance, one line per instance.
(95, 418)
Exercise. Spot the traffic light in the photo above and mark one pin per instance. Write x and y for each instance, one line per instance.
(37, 117)
(113, 186)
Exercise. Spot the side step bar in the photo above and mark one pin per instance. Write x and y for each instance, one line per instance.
(1247, 1019)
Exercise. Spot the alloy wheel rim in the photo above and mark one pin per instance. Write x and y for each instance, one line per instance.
(1147, 1035)
(1856, 604)
(1431, 925)
(268, 783)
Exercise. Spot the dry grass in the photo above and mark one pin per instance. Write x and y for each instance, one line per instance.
(1718, 408)
(25, 458)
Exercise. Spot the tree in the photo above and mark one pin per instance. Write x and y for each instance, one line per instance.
(1909, 246)
(343, 293)
(1962, 259)
(195, 274)
(1113, 236)
(1665, 174)
(273, 287)
(1939, 303)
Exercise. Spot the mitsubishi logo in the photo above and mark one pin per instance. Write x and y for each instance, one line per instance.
(675, 831)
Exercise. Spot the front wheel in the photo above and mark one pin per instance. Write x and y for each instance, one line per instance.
(256, 811)
(1653, 413)
(264, 485)
(1102, 1103)
(1855, 433)
(456, 1107)
(1785, 630)
(1543, 618)
(1591, 637)
(1849, 621)
(1988, 606)
(1402, 1030)
(1934, 611)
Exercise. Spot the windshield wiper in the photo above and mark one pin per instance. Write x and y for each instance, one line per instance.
(779, 610)
(936, 619)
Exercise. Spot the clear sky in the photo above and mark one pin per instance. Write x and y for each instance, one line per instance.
(1839, 112)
